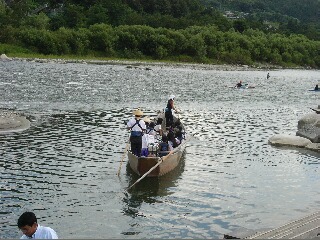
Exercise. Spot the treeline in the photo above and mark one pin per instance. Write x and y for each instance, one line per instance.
(285, 16)
(179, 30)
(205, 44)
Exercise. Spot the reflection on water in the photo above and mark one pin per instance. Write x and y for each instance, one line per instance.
(150, 190)
(65, 166)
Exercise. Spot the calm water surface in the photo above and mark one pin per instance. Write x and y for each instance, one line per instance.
(64, 168)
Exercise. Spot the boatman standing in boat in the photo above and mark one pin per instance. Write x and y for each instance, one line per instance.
(137, 127)
(168, 111)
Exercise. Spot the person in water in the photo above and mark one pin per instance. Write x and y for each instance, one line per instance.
(268, 75)
(239, 84)
(316, 87)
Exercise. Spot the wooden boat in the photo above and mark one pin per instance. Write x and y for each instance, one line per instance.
(142, 165)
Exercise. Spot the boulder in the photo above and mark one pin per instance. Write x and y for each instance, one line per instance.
(289, 140)
(313, 147)
(4, 57)
(309, 127)
(11, 122)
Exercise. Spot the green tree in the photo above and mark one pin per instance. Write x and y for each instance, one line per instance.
(37, 21)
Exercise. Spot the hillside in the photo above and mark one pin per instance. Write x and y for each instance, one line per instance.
(285, 16)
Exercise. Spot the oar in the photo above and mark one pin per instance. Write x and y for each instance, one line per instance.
(124, 154)
(150, 170)
(317, 111)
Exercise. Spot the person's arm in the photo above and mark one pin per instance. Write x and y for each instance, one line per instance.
(128, 125)
(170, 146)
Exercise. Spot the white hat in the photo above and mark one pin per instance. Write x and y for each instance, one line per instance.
(146, 119)
(171, 97)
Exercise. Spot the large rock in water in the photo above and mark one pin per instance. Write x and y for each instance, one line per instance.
(309, 127)
(11, 122)
(289, 140)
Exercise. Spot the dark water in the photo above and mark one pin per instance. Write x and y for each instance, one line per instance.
(64, 168)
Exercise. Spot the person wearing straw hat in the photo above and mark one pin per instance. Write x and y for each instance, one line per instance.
(137, 127)
(168, 111)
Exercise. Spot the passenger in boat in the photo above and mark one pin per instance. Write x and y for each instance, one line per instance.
(30, 228)
(316, 87)
(168, 111)
(148, 138)
(164, 146)
(137, 127)
(179, 134)
(149, 126)
(157, 127)
(172, 140)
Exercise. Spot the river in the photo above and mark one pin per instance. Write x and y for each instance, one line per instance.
(64, 167)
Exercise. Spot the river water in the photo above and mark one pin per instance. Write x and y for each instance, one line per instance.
(230, 180)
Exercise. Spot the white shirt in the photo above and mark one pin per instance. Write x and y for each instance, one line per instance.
(42, 233)
(157, 128)
(147, 139)
(132, 122)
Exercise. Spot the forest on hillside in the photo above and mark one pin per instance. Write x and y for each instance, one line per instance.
(211, 31)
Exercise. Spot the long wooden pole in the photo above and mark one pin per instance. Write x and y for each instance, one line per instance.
(150, 170)
(124, 154)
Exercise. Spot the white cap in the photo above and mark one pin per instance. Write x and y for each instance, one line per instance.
(171, 97)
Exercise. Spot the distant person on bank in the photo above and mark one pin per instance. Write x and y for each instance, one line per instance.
(30, 228)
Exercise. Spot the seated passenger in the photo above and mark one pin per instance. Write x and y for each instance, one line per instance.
(164, 147)
(179, 135)
(157, 127)
(174, 142)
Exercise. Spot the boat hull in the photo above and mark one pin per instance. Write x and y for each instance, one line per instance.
(141, 165)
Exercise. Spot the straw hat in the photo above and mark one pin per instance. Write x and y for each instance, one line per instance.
(146, 119)
(137, 112)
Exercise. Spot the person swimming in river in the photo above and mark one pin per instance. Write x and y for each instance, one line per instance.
(239, 84)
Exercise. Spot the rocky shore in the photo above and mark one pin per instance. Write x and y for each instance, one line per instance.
(147, 64)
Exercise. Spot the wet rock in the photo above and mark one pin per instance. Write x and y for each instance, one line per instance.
(289, 140)
(309, 127)
(11, 122)
(313, 147)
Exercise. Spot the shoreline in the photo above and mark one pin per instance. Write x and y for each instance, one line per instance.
(147, 63)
